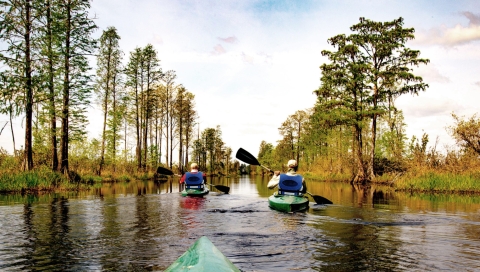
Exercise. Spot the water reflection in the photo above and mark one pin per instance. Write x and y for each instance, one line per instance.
(142, 225)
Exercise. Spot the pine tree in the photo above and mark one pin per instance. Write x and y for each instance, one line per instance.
(108, 75)
(76, 45)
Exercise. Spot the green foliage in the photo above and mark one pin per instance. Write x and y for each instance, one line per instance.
(109, 95)
(39, 179)
(369, 69)
(440, 182)
(467, 132)
(266, 155)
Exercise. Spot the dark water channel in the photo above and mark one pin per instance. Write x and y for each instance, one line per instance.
(145, 226)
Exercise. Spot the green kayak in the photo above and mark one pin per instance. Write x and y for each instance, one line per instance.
(202, 256)
(288, 203)
(195, 192)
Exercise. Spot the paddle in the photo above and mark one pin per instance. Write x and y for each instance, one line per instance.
(221, 188)
(320, 199)
(246, 157)
(164, 171)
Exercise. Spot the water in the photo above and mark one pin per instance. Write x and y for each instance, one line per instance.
(145, 226)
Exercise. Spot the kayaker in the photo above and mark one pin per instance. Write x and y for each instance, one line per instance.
(194, 171)
(292, 171)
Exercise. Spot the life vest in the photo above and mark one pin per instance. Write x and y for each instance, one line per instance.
(290, 185)
(194, 180)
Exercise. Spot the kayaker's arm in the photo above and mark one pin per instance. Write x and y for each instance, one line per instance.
(274, 181)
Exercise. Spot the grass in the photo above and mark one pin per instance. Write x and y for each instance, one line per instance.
(335, 177)
(440, 182)
(41, 179)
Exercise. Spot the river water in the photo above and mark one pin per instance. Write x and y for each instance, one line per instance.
(145, 226)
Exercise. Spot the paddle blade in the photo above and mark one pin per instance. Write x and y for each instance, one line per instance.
(321, 200)
(246, 157)
(221, 188)
(164, 171)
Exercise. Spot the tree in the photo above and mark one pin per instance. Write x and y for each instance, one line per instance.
(77, 43)
(185, 115)
(467, 132)
(50, 53)
(370, 66)
(169, 80)
(133, 82)
(10, 101)
(265, 154)
(19, 30)
(209, 136)
(108, 73)
(152, 75)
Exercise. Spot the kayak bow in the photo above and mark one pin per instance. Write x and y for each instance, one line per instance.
(203, 256)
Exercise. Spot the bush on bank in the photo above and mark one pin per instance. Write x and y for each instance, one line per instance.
(41, 179)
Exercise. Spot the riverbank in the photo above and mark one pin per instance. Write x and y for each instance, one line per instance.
(433, 182)
(44, 179)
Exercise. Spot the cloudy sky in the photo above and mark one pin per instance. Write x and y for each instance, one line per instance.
(253, 63)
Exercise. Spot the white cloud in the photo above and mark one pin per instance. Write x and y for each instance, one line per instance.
(430, 73)
(247, 58)
(156, 40)
(451, 36)
(232, 40)
(218, 50)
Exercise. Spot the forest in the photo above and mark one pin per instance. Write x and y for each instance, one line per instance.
(354, 133)
(48, 47)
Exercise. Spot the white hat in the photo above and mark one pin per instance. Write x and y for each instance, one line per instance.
(291, 163)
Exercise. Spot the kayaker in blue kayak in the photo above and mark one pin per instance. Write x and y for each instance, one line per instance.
(194, 173)
(290, 175)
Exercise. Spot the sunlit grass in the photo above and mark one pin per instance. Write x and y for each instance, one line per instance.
(41, 179)
(335, 177)
(440, 182)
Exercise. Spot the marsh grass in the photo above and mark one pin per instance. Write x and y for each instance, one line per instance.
(440, 182)
(334, 177)
(41, 179)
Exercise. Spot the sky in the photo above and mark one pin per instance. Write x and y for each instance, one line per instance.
(252, 63)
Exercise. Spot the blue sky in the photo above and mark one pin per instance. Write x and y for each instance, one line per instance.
(251, 64)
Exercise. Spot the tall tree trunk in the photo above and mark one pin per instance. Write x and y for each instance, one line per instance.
(138, 149)
(105, 114)
(180, 134)
(29, 90)
(117, 124)
(66, 95)
(51, 90)
(11, 129)
(125, 139)
(171, 140)
(187, 137)
(147, 117)
(298, 142)
(370, 173)
(167, 125)
(358, 150)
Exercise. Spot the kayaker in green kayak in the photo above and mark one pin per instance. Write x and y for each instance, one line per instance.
(194, 176)
(290, 182)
